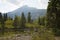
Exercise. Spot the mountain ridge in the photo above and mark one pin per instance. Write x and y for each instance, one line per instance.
(34, 12)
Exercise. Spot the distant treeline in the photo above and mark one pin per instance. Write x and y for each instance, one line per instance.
(19, 21)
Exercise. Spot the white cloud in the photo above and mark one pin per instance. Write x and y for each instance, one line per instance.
(10, 5)
(40, 4)
(7, 7)
(16, 2)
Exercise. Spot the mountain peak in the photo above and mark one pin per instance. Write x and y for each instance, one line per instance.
(34, 12)
(25, 6)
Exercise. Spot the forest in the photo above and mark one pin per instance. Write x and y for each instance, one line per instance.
(43, 28)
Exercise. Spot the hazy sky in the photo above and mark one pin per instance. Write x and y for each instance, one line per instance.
(10, 5)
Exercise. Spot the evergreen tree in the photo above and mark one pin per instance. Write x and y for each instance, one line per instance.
(39, 21)
(15, 23)
(58, 14)
(58, 17)
(5, 17)
(3, 26)
(43, 21)
(10, 18)
(0, 17)
(2, 23)
(53, 15)
(29, 17)
(22, 21)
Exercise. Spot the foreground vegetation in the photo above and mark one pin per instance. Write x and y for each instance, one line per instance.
(42, 28)
(27, 26)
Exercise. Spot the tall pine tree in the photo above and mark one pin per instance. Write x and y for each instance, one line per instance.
(23, 20)
(5, 17)
(29, 17)
(39, 21)
(3, 25)
(53, 15)
(0, 17)
(15, 23)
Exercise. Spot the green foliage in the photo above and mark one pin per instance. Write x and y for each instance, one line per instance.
(43, 34)
(37, 25)
(9, 23)
(29, 17)
(2, 26)
(31, 25)
(16, 22)
(22, 21)
(0, 17)
(53, 15)
(43, 21)
(5, 17)
(39, 21)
